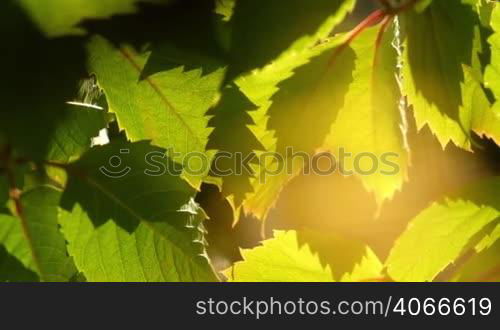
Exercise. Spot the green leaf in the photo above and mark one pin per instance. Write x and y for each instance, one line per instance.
(488, 241)
(280, 259)
(279, 78)
(349, 259)
(299, 24)
(484, 264)
(33, 236)
(167, 108)
(479, 114)
(290, 257)
(441, 46)
(482, 267)
(442, 233)
(493, 70)
(373, 106)
(484, 9)
(225, 8)
(369, 269)
(136, 222)
(306, 105)
(74, 136)
(300, 116)
(259, 87)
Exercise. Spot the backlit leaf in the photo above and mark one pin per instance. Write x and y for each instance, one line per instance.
(442, 233)
(378, 149)
(492, 76)
(441, 77)
(136, 222)
(32, 236)
(168, 108)
(280, 259)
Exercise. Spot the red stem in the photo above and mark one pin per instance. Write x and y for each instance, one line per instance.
(374, 18)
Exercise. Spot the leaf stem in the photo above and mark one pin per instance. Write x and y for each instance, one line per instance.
(15, 196)
(380, 15)
(374, 18)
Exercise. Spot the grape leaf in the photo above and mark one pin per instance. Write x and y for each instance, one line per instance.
(73, 137)
(441, 70)
(306, 105)
(369, 269)
(479, 114)
(482, 267)
(261, 87)
(288, 258)
(441, 233)
(373, 106)
(320, 87)
(300, 116)
(137, 224)
(488, 241)
(254, 45)
(485, 10)
(484, 264)
(33, 236)
(280, 259)
(349, 259)
(225, 8)
(493, 70)
(168, 108)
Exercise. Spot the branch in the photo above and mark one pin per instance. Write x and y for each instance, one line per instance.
(15, 195)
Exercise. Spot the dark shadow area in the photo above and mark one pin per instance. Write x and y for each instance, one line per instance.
(234, 141)
(125, 193)
(440, 42)
(340, 253)
(179, 33)
(39, 76)
(360, 12)
(260, 40)
(224, 240)
(12, 270)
